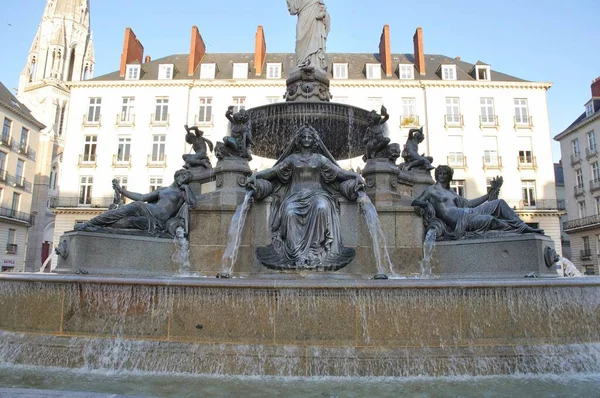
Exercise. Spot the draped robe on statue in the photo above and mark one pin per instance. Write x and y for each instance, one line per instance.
(311, 30)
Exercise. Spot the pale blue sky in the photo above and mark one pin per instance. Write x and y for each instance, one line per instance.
(538, 40)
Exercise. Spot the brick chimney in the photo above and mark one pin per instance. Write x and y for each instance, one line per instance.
(133, 51)
(385, 51)
(197, 50)
(147, 59)
(260, 50)
(419, 51)
(596, 87)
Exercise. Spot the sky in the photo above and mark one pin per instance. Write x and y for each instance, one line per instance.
(538, 40)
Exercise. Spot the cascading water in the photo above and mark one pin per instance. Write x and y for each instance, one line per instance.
(235, 235)
(382, 257)
(181, 257)
(428, 248)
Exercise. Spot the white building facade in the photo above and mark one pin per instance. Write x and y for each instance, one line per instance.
(581, 167)
(129, 124)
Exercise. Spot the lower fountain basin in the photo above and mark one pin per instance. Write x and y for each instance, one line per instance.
(341, 127)
(302, 328)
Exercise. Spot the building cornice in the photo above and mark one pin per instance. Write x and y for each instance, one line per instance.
(80, 210)
(580, 125)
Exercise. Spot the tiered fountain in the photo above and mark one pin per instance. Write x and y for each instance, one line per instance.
(298, 293)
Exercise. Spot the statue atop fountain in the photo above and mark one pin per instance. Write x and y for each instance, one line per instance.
(410, 154)
(454, 217)
(239, 143)
(200, 145)
(305, 184)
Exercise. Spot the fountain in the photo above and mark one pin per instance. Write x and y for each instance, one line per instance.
(303, 287)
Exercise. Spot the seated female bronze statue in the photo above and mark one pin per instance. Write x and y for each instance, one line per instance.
(454, 217)
(305, 184)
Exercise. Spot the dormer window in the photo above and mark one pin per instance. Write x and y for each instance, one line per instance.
(165, 71)
(448, 72)
(482, 72)
(273, 71)
(240, 71)
(406, 71)
(207, 71)
(132, 72)
(589, 108)
(373, 71)
(340, 71)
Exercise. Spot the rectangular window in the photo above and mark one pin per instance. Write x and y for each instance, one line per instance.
(24, 139)
(161, 113)
(448, 72)
(524, 150)
(487, 111)
(482, 72)
(452, 110)
(20, 172)
(239, 103)
(490, 151)
(127, 109)
(207, 71)
(591, 137)
(16, 202)
(205, 110)
(273, 71)
(406, 71)
(455, 152)
(11, 242)
(132, 72)
(589, 109)
(93, 115)
(165, 72)
(89, 148)
(85, 190)
(408, 107)
(124, 150)
(240, 71)
(575, 146)
(373, 71)
(581, 209)
(2, 162)
(528, 193)
(340, 71)
(458, 186)
(597, 200)
(155, 183)
(158, 148)
(521, 111)
(374, 103)
(595, 167)
(6, 127)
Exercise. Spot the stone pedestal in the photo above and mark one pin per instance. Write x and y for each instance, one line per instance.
(383, 185)
(227, 185)
(308, 84)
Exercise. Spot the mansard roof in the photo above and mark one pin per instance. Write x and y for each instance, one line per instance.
(356, 66)
(11, 103)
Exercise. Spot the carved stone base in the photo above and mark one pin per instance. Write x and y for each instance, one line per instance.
(383, 185)
(229, 187)
(307, 84)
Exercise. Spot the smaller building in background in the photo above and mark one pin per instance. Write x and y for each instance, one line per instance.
(581, 167)
(561, 200)
(18, 152)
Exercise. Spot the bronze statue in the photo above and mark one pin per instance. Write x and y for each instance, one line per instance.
(410, 154)
(312, 29)
(156, 212)
(239, 142)
(305, 184)
(194, 137)
(454, 217)
(375, 139)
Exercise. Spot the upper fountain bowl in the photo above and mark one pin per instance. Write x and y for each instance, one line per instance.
(340, 126)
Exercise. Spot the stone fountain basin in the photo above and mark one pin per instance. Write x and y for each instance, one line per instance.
(341, 127)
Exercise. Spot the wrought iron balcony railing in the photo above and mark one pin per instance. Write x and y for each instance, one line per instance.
(488, 121)
(585, 254)
(590, 152)
(523, 122)
(536, 204)
(93, 121)
(15, 215)
(594, 185)
(457, 161)
(11, 248)
(121, 161)
(159, 160)
(453, 120)
(125, 120)
(492, 162)
(578, 190)
(78, 201)
(87, 160)
(582, 222)
(526, 162)
(575, 158)
(159, 120)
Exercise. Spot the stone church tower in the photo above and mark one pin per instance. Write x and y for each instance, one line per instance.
(62, 51)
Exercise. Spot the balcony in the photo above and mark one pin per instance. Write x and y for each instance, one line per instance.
(91, 122)
(578, 190)
(3, 176)
(457, 161)
(585, 254)
(6, 141)
(488, 121)
(492, 162)
(575, 158)
(159, 122)
(22, 184)
(204, 122)
(523, 122)
(536, 204)
(526, 163)
(591, 152)
(87, 160)
(409, 121)
(121, 161)
(15, 215)
(594, 185)
(124, 120)
(452, 120)
(159, 160)
(76, 201)
(11, 248)
(582, 222)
